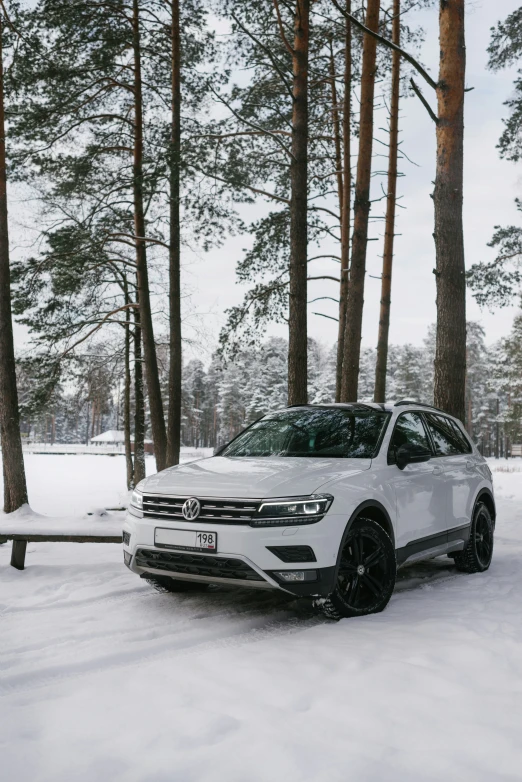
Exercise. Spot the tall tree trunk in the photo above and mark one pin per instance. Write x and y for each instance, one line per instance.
(389, 232)
(139, 404)
(297, 324)
(345, 203)
(336, 124)
(175, 368)
(15, 487)
(450, 353)
(157, 419)
(355, 302)
(127, 393)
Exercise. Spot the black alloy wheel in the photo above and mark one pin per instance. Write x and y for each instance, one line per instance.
(366, 572)
(476, 556)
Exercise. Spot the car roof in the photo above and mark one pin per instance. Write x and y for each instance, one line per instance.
(387, 407)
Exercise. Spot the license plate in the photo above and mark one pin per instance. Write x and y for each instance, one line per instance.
(187, 540)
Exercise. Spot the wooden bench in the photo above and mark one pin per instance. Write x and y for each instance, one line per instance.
(21, 540)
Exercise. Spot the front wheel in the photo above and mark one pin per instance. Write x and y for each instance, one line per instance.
(366, 572)
(477, 555)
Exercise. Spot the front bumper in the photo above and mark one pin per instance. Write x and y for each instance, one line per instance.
(243, 558)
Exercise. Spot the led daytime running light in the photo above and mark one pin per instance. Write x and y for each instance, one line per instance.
(292, 510)
(314, 505)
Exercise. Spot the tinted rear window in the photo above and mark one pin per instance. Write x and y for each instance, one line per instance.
(444, 435)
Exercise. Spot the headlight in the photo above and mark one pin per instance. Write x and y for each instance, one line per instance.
(292, 510)
(137, 500)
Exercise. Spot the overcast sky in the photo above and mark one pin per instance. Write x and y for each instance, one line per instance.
(489, 190)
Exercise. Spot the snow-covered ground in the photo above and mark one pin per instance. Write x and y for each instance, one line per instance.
(103, 679)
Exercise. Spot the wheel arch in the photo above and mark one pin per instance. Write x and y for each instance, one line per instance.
(486, 497)
(374, 510)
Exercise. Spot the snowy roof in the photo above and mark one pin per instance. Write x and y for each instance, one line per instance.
(112, 436)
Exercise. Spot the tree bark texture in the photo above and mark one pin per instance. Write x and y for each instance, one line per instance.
(336, 124)
(450, 352)
(139, 404)
(15, 487)
(389, 231)
(297, 325)
(175, 366)
(157, 419)
(345, 203)
(127, 393)
(355, 301)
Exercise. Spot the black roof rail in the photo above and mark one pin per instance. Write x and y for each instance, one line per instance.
(418, 404)
(355, 405)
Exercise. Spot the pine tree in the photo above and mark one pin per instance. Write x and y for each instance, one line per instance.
(15, 487)
(497, 283)
(355, 300)
(379, 393)
(450, 355)
(254, 138)
(99, 141)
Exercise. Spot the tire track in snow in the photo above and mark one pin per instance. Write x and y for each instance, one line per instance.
(246, 632)
(254, 617)
(255, 623)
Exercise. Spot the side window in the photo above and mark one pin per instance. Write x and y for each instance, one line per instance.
(408, 429)
(462, 438)
(444, 436)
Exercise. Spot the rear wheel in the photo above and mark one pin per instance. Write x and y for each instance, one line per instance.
(167, 584)
(477, 555)
(366, 572)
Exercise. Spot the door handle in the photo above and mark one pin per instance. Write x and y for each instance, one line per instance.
(437, 470)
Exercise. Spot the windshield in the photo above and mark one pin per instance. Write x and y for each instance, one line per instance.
(317, 432)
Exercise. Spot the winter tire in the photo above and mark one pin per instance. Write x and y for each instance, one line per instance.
(366, 572)
(476, 557)
(167, 584)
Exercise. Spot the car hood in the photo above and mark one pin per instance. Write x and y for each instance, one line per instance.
(255, 478)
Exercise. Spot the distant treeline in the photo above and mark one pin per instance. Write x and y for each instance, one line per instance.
(219, 399)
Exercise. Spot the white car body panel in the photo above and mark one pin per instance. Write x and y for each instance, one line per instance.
(421, 497)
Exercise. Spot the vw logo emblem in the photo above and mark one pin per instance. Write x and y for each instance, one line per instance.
(191, 509)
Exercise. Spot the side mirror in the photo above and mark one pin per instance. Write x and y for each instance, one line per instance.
(411, 453)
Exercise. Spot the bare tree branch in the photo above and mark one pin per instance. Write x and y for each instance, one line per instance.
(424, 102)
(268, 52)
(282, 29)
(97, 327)
(246, 187)
(408, 57)
(250, 124)
(330, 317)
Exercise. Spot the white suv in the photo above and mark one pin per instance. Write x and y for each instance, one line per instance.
(318, 500)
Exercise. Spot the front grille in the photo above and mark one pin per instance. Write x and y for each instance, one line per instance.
(293, 553)
(197, 565)
(212, 511)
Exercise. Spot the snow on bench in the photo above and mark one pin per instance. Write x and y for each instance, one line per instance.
(25, 526)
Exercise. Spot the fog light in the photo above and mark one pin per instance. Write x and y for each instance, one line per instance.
(292, 576)
(127, 558)
(126, 538)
